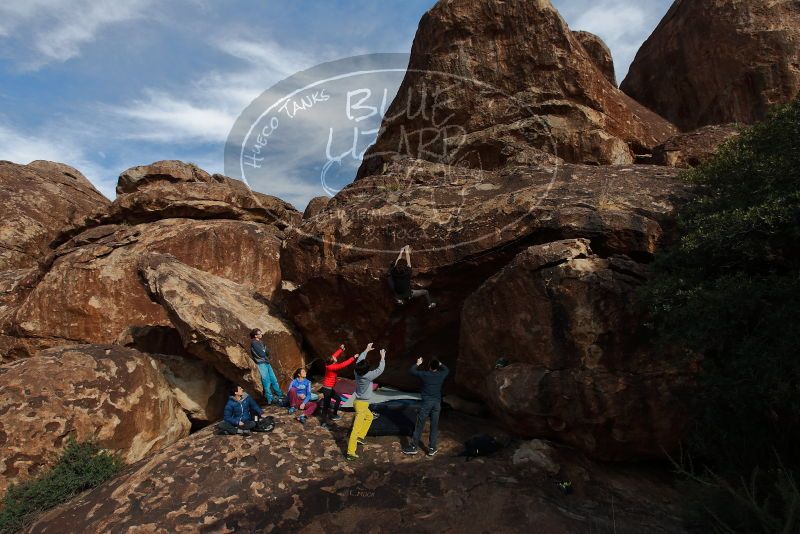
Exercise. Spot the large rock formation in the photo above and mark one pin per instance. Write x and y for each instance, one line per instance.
(169, 189)
(719, 61)
(40, 201)
(92, 292)
(464, 226)
(113, 394)
(295, 480)
(494, 83)
(88, 289)
(214, 317)
(693, 148)
(581, 371)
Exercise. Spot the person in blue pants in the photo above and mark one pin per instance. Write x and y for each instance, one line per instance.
(261, 356)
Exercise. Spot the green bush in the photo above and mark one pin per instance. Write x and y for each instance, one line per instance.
(729, 290)
(81, 466)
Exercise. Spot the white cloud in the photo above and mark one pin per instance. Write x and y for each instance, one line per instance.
(206, 110)
(622, 24)
(165, 118)
(55, 30)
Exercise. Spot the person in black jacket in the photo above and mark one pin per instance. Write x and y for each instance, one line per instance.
(400, 280)
(240, 413)
(431, 407)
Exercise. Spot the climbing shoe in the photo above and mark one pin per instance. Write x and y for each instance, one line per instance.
(431, 452)
(410, 450)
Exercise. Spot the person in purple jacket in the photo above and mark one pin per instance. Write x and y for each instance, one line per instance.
(300, 395)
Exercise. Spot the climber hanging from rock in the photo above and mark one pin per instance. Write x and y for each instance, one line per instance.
(400, 280)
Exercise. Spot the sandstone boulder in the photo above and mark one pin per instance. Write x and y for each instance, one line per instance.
(463, 225)
(718, 62)
(40, 201)
(113, 394)
(170, 171)
(581, 371)
(496, 83)
(693, 148)
(537, 455)
(172, 189)
(296, 480)
(315, 205)
(214, 317)
(600, 53)
(92, 292)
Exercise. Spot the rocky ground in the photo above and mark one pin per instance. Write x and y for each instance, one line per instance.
(296, 479)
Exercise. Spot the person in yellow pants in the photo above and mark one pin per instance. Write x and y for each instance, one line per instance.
(363, 393)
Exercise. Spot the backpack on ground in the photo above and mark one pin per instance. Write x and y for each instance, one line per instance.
(265, 424)
(481, 445)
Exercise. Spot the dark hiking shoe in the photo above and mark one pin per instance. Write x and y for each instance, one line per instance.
(244, 432)
(302, 419)
(336, 417)
(410, 450)
(431, 452)
(351, 457)
(360, 440)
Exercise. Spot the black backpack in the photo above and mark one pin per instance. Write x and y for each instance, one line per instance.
(481, 445)
(265, 424)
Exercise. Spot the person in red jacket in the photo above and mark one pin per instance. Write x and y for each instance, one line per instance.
(332, 368)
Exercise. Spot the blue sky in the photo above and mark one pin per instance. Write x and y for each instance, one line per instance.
(107, 84)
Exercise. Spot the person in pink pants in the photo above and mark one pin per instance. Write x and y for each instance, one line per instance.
(300, 395)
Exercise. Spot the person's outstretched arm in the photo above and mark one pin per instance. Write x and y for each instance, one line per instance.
(338, 352)
(408, 255)
(415, 368)
(444, 369)
(372, 375)
(338, 366)
(364, 354)
(399, 256)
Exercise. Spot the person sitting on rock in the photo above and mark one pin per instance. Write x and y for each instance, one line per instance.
(329, 396)
(261, 356)
(400, 280)
(363, 420)
(238, 416)
(431, 406)
(300, 395)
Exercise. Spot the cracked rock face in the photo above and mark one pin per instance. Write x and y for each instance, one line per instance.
(214, 317)
(296, 480)
(92, 292)
(40, 201)
(719, 62)
(581, 370)
(111, 393)
(464, 225)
